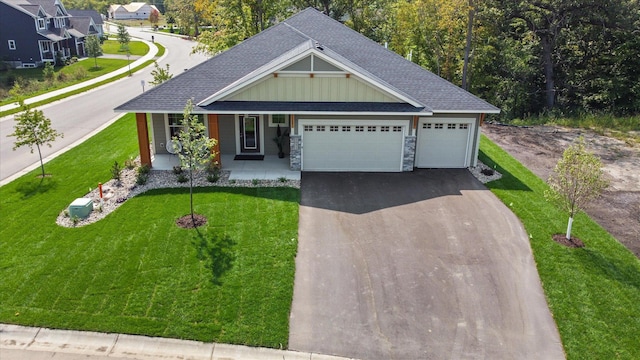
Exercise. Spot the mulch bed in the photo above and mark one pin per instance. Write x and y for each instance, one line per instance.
(573, 243)
(186, 222)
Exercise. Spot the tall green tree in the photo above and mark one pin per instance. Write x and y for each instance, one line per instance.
(195, 148)
(32, 128)
(577, 180)
(123, 37)
(93, 47)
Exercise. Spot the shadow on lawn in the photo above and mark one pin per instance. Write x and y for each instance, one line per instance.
(287, 194)
(508, 180)
(217, 252)
(37, 186)
(611, 268)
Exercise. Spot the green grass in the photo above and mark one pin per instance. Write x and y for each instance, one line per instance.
(135, 48)
(593, 292)
(78, 91)
(135, 271)
(104, 66)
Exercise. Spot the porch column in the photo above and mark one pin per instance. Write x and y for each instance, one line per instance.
(214, 133)
(143, 139)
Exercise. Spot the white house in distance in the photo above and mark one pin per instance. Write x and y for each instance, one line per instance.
(134, 10)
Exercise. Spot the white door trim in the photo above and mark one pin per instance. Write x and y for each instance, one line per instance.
(237, 132)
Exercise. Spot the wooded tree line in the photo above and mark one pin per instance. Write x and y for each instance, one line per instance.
(526, 56)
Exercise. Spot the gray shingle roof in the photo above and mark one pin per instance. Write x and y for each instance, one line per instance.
(338, 42)
(97, 19)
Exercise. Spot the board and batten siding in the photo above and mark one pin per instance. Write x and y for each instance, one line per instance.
(159, 133)
(307, 88)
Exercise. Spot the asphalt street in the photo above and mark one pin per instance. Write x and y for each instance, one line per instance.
(82, 114)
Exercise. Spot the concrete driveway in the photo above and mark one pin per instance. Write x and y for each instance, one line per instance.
(422, 265)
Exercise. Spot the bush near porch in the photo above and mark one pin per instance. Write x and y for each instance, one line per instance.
(135, 271)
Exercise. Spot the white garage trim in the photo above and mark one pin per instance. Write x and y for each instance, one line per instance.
(444, 142)
(352, 145)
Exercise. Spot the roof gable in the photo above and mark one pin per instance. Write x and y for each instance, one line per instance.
(308, 33)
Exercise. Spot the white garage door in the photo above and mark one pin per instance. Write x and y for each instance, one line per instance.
(444, 143)
(354, 145)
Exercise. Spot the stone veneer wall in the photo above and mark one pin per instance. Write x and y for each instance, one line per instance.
(295, 153)
(409, 157)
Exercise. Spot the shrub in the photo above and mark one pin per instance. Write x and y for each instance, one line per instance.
(282, 179)
(79, 73)
(48, 73)
(144, 169)
(177, 170)
(182, 178)
(130, 163)
(213, 177)
(116, 171)
(255, 182)
(142, 178)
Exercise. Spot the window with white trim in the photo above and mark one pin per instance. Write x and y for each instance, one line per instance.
(346, 128)
(319, 127)
(278, 119)
(334, 128)
(464, 126)
(359, 128)
(438, 126)
(308, 128)
(426, 126)
(41, 24)
(451, 126)
(44, 46)
(12, 44)
(384, 128)
(175, 123)
(397, 128)
(371, 128)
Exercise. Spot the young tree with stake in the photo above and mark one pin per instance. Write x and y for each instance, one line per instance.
(577, 180)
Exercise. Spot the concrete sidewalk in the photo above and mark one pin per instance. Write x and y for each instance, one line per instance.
(153, 50)
(30, 343)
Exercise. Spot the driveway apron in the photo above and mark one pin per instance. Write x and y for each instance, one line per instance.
(421, 265)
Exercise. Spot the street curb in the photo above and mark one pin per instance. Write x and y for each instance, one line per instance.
(58, 342)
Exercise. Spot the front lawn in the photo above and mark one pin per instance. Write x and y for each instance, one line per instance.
(135, 48)
(593, 292)
(33, 83)
(135, 271)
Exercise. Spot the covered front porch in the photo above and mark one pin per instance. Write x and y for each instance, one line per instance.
(271, 168)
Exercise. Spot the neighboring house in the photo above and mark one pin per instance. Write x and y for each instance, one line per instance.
(33, 32)
(135, 10)
(348, 103)
(95, 17)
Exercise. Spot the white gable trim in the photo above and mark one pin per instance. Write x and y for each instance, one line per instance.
(293, 56)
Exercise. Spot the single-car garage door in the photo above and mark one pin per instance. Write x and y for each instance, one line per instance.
(444, 143)
(352, 145)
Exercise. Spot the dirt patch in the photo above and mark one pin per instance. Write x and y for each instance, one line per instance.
(540, 147)
(186, 222)
(574, 242)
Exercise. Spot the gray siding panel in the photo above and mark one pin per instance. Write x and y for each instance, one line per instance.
(226, 129)
(159, 133)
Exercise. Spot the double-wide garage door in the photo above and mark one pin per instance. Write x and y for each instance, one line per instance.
(352, 145)
(444, 143)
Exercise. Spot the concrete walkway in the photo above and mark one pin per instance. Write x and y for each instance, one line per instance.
(153, 50)
(31, 343)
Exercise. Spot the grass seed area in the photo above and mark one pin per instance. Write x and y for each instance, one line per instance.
(137, 272)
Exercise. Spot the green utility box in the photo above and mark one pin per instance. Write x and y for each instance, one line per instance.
(81, 207)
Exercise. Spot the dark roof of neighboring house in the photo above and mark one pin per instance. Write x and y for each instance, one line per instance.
(81, 24)
(338, 42)
(97, 18)
(32, 6)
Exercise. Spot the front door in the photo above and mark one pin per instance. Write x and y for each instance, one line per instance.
(249, 134)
